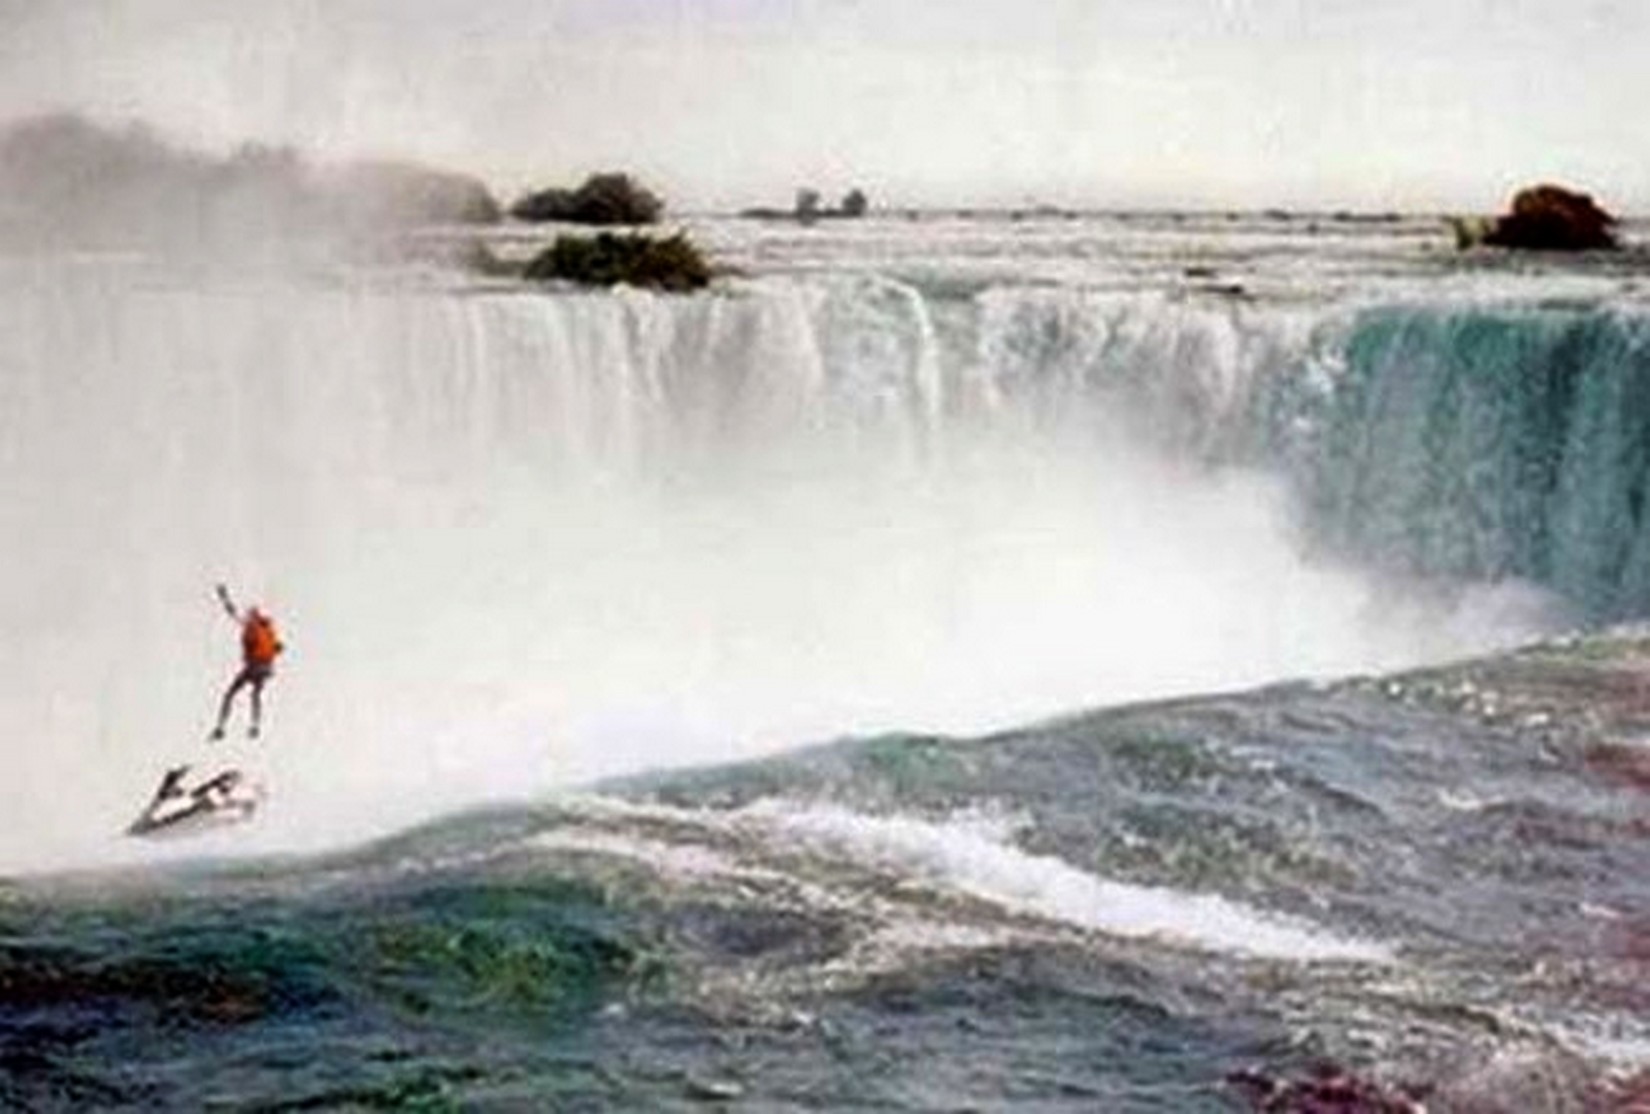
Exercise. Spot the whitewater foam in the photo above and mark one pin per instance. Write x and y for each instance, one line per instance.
(972, 855)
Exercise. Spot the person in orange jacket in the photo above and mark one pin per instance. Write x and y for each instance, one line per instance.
(259, 647)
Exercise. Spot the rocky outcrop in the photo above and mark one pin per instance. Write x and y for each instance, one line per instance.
(1543, 218)
(602, 199)
(670, 264)
(1328, 1090)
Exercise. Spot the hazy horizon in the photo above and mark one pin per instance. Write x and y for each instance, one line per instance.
(726, 103)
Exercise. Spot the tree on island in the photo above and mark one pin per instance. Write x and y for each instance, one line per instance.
(808, 208)
(612, 198)
(672, 264)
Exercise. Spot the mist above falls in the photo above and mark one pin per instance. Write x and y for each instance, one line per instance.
(518, 540)
(70, 183)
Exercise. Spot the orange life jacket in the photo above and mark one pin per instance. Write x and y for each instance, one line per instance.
(259, 644)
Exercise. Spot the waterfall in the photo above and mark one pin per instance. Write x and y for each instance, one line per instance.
(1484, 443)
(516, 539)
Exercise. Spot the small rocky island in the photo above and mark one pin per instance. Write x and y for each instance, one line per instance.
(610, 198)
(1542, 218)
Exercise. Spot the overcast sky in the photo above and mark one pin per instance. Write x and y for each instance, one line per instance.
(1370, 104)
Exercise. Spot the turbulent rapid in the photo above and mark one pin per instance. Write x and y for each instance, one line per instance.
(577, 587)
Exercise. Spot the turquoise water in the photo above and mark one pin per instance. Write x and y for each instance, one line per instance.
(1496, 442)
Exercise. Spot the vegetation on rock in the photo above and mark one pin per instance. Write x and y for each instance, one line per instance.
(671, 263)
(808, 208)
(602, 199)
(1542, 218)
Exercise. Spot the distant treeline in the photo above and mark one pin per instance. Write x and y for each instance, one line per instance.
(65, 180)
(602, 199)
(70, 182)
(809, 208)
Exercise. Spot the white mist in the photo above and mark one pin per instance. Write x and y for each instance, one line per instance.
(517, 540)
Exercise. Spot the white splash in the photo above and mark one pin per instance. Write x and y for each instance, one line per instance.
(975, 858)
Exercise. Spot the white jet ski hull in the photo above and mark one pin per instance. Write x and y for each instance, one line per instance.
(179, 808)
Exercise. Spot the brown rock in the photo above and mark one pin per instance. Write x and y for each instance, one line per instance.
(1552, 218)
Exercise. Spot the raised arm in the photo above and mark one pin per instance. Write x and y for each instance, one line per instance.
(228, 604)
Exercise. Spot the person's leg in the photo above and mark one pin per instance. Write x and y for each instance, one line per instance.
(257, 704)
(235, 686)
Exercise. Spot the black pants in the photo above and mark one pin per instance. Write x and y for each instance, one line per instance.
(250, 674)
